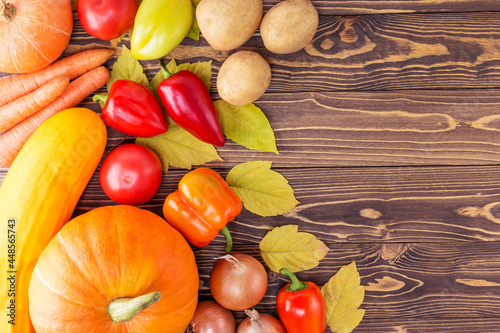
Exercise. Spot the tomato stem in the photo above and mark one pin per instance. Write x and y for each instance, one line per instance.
(125, 309)
(7, 11)
(296, 285)
(229, 239)
(164, 69)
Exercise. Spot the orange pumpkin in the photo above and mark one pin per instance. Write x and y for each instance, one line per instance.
(115, 269)
(33, 33)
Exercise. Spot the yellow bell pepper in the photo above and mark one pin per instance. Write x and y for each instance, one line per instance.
(160, 25)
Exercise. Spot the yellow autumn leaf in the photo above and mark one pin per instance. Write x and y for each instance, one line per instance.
(126, 67)
(246, 125)
(343, 295)
(263, 191)
(286, 247)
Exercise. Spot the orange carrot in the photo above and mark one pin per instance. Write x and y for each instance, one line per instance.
(23, 107)
(12, 141)
(14, 86)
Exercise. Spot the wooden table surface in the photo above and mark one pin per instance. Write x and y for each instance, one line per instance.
(388, 128)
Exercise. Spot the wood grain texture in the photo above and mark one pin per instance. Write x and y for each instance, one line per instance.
(353, 7)
(402, 280)
(429, 325)
(381, 128)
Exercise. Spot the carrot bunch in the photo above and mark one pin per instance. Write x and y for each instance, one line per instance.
(27, 100)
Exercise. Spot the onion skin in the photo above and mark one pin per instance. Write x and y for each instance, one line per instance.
(238, 282)
(260, 323)
(211, 317)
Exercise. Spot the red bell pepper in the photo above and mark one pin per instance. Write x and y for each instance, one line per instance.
(202, 206)
(301, 306)
(188, 103)
(133, 109)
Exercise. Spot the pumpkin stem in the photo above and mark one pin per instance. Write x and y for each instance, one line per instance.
(125, 309)
(7, 11)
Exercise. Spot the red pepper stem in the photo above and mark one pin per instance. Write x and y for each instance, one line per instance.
(296, 284)
(100, 98)
(229, 239)
(164, 69)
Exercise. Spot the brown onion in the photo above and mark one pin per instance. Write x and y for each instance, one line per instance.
(260, 323)
(238, 282)
(211, 317)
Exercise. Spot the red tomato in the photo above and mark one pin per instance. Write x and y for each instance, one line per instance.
(131, 174)
(106, 19)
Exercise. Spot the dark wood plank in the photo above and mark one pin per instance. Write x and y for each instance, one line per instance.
(391, 52)
(402, 280)
(429, 325)
(429, 204)
(353, 7)
(381, 128)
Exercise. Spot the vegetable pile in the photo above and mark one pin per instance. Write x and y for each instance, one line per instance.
(121, 268)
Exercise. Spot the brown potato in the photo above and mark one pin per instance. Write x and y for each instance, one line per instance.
(243, 78)
(289, 26)
(228, 24)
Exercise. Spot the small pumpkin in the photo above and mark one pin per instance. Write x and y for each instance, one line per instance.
(33, 33)
(115, 269)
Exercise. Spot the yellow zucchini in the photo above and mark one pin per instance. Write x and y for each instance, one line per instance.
(38, 196)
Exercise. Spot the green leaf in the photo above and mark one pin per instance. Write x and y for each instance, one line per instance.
(246, 125)
(179, 148)
(194, 32)
(285, 247)
(263, 191)
(343, 296)
(128, 68)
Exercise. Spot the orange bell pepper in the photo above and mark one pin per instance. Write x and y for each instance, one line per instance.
(202, 206)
